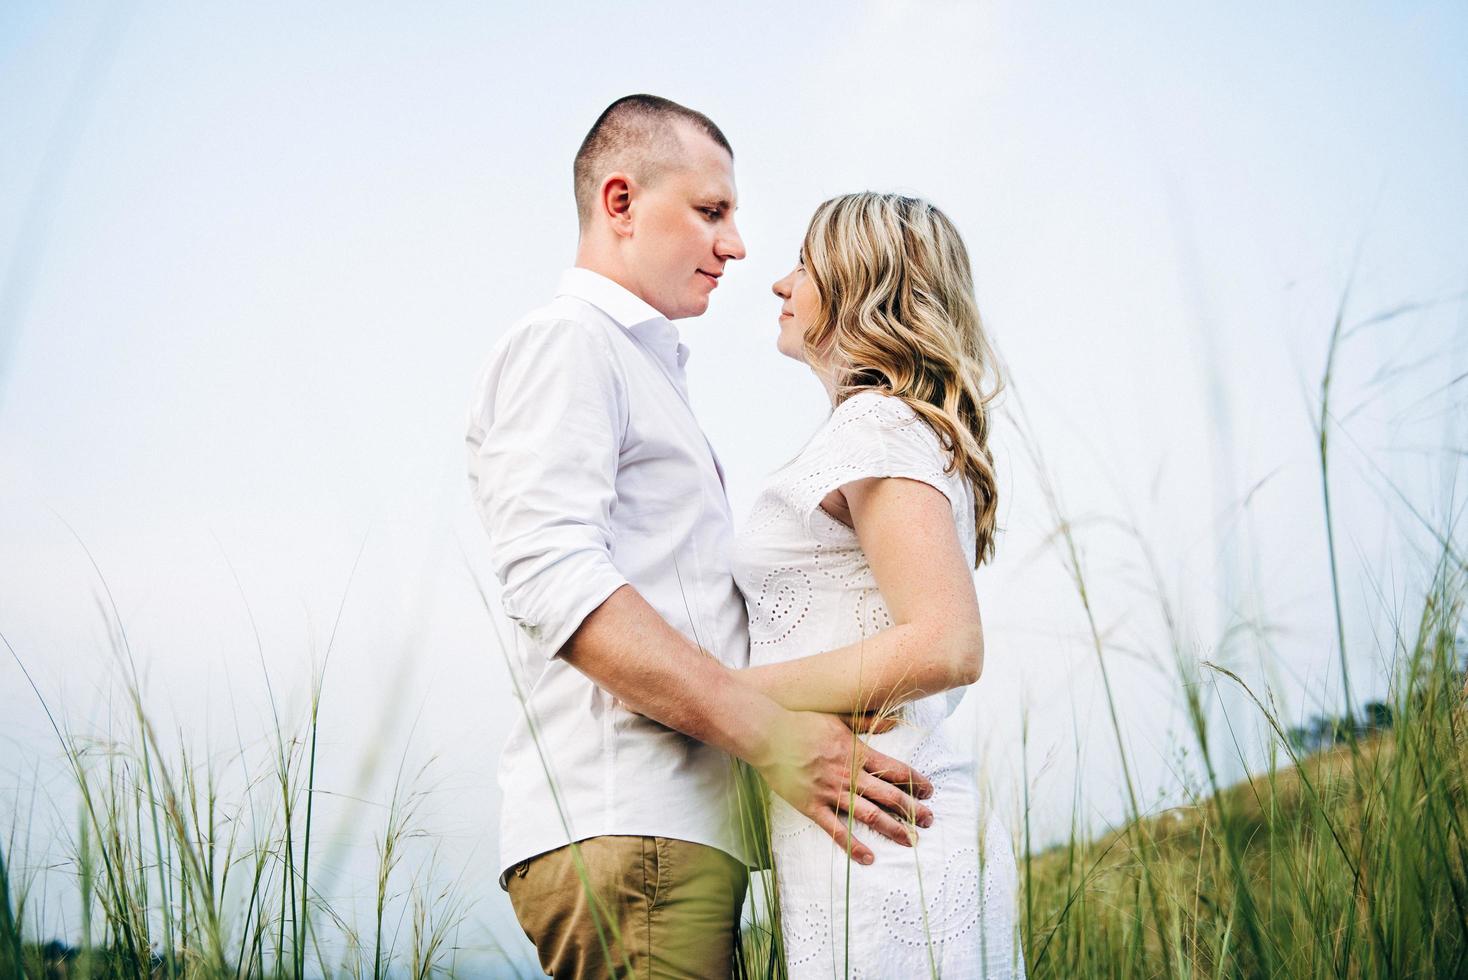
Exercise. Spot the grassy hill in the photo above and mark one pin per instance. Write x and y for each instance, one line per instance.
(1346, 863)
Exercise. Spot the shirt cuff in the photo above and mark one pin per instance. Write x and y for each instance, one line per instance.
(567, 593)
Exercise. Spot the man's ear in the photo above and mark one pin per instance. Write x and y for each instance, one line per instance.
(616, 202)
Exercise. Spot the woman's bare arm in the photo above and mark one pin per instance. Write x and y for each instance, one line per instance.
(936, 642)
(810, 759)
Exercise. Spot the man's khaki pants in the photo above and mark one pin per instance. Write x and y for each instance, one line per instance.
(665, 908)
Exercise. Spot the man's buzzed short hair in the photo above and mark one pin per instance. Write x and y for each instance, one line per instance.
(635, 134)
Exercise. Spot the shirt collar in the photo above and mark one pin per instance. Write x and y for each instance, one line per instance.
(655, 331)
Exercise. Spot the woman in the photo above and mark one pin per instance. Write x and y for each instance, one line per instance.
(862, 547)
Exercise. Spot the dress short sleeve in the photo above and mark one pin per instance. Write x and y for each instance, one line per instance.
(873, 435)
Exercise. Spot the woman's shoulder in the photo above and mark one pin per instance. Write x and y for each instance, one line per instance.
(873, 414)
(886, 430)
(869, 434)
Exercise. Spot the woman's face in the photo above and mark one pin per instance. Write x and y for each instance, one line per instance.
(800, 307)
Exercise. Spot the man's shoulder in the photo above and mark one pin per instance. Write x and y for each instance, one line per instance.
(564, 319)
(565, 331)
(560, 342)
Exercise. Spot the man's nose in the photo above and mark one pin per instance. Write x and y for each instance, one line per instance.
(730, 246)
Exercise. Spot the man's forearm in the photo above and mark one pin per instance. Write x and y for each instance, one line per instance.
(626, 648)
(807, 758)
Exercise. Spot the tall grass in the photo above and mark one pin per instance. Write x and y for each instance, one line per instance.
(178, 878)
(1348, 863)
(1351, 862)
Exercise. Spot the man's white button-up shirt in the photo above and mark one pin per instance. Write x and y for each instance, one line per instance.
(590, 472)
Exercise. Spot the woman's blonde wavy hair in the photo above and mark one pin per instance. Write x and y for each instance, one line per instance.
(898, 315)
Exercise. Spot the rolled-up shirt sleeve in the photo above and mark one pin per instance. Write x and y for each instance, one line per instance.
(545, 432)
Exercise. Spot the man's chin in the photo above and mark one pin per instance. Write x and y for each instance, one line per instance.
(696, 307)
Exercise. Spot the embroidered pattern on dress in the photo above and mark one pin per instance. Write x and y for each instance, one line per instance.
(871, 613)
(767, 509)
(929, 912)
(783, 603)
(787, 823)
(844, 564)
(922, 758)
(807, 932)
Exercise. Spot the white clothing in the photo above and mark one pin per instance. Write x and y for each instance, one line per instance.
(590, 472)
(949, 904)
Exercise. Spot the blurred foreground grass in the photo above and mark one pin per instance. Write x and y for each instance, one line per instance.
(1346, 863)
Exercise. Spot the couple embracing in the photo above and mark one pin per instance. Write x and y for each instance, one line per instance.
(824, 643)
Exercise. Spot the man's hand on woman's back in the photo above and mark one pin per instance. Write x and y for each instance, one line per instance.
(816, 764)
(806, 757)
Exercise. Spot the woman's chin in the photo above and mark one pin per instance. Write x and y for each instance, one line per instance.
(796, 355)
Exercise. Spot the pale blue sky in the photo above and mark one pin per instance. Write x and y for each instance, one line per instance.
(251, 278)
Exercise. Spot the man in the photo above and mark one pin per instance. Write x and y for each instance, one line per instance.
(609, 531)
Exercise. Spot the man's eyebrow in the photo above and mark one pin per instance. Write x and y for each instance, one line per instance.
(722, 202)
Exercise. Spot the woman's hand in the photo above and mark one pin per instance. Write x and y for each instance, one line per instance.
(871, 722)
